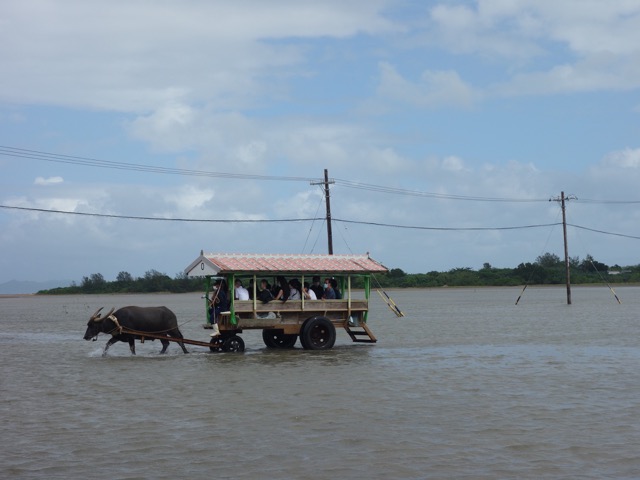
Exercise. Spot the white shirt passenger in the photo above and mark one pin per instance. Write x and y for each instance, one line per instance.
(242, 293)
(294, 294)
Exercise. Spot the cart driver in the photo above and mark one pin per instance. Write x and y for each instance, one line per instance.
(218, 304)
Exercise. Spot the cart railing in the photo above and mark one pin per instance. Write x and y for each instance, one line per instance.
(245, 306)
(289, 315)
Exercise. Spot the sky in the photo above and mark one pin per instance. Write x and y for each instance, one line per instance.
(449, 130)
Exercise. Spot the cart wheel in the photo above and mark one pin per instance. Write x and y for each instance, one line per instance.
(318, 333)
(233, 344)
(215, 345)
(276, 339)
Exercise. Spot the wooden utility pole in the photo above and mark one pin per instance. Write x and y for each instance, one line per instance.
(328, 203)
(566, 248)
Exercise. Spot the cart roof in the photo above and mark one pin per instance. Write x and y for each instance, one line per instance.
(249, 263)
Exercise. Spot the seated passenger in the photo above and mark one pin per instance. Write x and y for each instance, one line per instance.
(294, 289)
(317, 288)
(334, 285)
(241, 292)
(264, 292)
(265, 295)
(283, 289)
(329, 292)
(308, 292)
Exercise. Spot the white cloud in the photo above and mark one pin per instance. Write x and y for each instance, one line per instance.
(511, 28)
(134, 55)
(310, 142)
(254, 87)
(453, 164)
(592, 26)
(251, 152)
(602, 40)
(66, 200)
(387, 160)
(189, 199)
(48, 181)
(627, 158)
(234, 142)
(170, 246)
(434, 89)
(602, 71)
(169, 128)
(466, 30)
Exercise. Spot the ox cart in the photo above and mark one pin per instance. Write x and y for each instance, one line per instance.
(313, 322)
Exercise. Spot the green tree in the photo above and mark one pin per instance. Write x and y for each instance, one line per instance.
(124, 277)
(155, 281)
(589, 264)
(93, 283)
(548, 260)
(396, 273)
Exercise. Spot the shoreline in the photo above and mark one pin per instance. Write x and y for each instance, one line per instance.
(395, 289)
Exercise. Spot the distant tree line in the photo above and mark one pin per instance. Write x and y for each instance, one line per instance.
(152, 282)
(548, 269)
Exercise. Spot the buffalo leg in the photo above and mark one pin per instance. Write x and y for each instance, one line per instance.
(165, 344)
(132, 346)
(111, 341)
(177, 334)
(184, 349)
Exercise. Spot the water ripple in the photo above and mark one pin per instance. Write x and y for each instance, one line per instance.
(477, 389)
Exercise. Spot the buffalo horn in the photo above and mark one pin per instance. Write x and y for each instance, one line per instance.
(96, 315)
(98, 318)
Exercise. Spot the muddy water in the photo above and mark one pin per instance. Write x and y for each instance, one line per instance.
(467, 385)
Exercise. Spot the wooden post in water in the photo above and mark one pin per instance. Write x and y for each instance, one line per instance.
(566, 249)
(567, 267)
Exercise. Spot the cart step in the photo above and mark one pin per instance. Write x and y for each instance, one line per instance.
(355, 334)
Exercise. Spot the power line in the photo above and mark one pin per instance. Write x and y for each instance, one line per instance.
(160, 219)
(417, 193)
(204, 220)
(608, 202)
(312, 219)
(93, 162)
(376, 224)
(603, 232)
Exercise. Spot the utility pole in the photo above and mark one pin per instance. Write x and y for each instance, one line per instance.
(566, 248)
(328, 203)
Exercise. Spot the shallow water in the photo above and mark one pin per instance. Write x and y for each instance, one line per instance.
(467, 385)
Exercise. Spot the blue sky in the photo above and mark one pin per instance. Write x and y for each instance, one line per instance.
(511, 100)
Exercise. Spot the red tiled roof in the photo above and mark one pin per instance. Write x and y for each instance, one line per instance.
(248, 263)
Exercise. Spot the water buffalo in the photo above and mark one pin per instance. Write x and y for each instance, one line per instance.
(156, 320)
